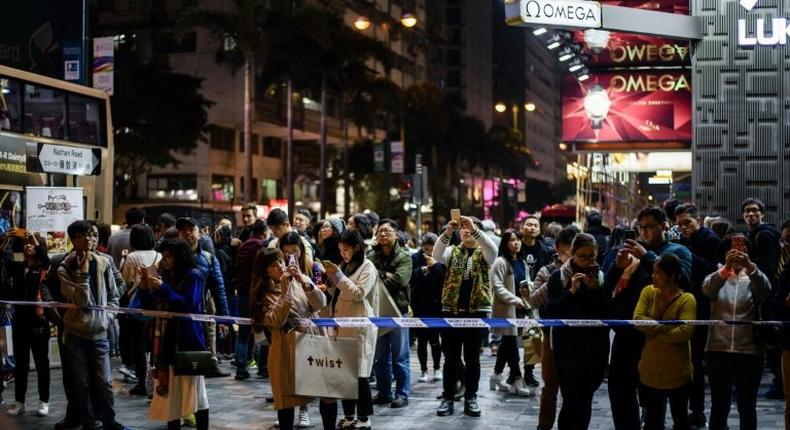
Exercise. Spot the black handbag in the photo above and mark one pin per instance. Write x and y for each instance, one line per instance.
(192, 363)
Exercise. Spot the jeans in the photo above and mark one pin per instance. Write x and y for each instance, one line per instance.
(742, 370)
(624, 380)
(243, 339)
(133, 348)
(548, 395)
(392, 357)
(508, 353)
(27, 339)
(72, 412)
(655, 402)
(579, 375)
(426, 336)
(470, 340)
(89, 363)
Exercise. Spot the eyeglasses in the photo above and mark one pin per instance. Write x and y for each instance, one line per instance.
(646, 226)
(751, 210)
(386, 231)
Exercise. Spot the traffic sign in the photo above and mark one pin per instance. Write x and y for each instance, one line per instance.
(70, 160)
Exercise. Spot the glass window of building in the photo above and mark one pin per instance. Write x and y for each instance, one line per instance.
(272, 147)
(222, 188)
(254, 188)
(222, 137)
(172, 187)
(269, 187)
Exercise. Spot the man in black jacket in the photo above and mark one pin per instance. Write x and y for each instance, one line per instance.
(764, 238)
(703, 244)
(600, 232)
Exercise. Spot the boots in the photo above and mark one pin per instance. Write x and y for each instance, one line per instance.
(496, 383)
(519, 388)
(201, 419)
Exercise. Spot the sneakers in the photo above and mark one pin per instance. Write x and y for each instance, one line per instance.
(445, 408)
(494, 350)
(43, 409)
(518, 388)
(357, 424)
(530, 380)
(378, 399)
(495, 383)
(345, 423)
(471, 407)
(303, 420)
(399, 402)
(16, 409)
(252, 365)
(697, 420)
(242, 374)
(189, 421)
(424, 377)
(437, 375)
(125, 371)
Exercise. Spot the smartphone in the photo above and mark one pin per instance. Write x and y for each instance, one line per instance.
(455, 215)
(739, 243)
(292, 260)
(630, 235)
(591, 270)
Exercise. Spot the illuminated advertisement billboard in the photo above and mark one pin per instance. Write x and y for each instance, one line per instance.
(671, 6)
(628, 106)
(625, 50)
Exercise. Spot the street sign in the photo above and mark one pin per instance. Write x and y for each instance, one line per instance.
(558, 13)
(71, 160)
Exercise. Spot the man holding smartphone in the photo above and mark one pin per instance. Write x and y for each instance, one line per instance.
(637, 257)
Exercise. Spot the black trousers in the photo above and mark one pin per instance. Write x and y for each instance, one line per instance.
(27, 339)
(425, 337)
(655, 402)
(579, 375)
(363, 405)
(624, 380)
(726, 370)
(697, 389)
(508, 353)
(468, 340)
(133, 346)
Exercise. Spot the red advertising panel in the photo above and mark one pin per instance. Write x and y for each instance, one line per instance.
(627, 106)
(673, 6)
(625, 49)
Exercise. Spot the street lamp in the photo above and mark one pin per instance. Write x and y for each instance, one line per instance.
(500, 107)
(362, 23)
(408, 20)
(530, 107)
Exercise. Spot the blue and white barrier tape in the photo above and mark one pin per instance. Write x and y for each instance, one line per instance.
(414, 322)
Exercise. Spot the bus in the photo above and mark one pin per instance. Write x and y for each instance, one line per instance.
(55, 137)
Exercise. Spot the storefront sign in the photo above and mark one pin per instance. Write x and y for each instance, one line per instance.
(765, 32)
(50, 210)
(627, 106)
(12, 155)
(623, 49)
(561, 13)
(70, 160)
(103, 59)
(378, 157)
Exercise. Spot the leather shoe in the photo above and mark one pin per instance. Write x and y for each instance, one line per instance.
(65, 423)
(446, 408)
(378, 399)
(399, 402)
(217, 373)
(471, 407)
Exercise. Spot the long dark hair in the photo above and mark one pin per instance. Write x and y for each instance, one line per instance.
(183, 259)
(294, 238)
(504, 251)
(353, 239)
(261, 283)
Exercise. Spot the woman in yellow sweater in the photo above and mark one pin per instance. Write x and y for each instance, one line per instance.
(665, 366)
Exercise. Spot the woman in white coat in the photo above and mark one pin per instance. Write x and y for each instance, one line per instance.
(507, 272)
(354, 291)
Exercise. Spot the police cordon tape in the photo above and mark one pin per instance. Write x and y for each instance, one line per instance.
(356, 322)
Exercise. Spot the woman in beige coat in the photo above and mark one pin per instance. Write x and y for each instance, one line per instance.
(280, 298)
(355, 289)
(507, 272)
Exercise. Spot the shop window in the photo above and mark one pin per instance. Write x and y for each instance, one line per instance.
(253, 143)
(222, 137)
(269, 187)
(45, 112)
(173, 187)
(272, 147)
(10, 105)
(222, 188)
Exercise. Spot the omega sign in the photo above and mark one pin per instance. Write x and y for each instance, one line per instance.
(766, 32)
(561, 13)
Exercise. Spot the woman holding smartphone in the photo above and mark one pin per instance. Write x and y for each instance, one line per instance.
(665, 365)
(733, 355)
(580, 354)
(179, 289)
(353, 282)
(507, 272)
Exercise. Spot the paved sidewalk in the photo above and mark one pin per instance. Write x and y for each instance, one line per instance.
(242, 405)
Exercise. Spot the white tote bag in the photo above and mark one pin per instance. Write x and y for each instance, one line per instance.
(326, 366)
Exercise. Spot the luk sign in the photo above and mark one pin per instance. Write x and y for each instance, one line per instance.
(561, 13)
(772, 32)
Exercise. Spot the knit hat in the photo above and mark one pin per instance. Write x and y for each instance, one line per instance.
(337, 224)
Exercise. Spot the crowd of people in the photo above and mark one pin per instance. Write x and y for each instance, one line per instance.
(669, 264)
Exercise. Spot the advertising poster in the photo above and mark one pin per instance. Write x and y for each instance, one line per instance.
(625, 50)
(627, 106)
(50, 210)
(672, 6)
(396, 157)
(103, 58)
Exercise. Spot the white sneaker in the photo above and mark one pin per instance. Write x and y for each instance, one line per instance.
(495, 383)
(43, 409)
(16, 409)
(357, 424)
(519, 388)
(437, 375)
(344, 423)
(424, 377)
(123, 370)
(303, 421)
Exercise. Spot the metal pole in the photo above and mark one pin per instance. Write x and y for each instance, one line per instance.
(289, 149)
(86, 78)
(322, 172)
(418, 196)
